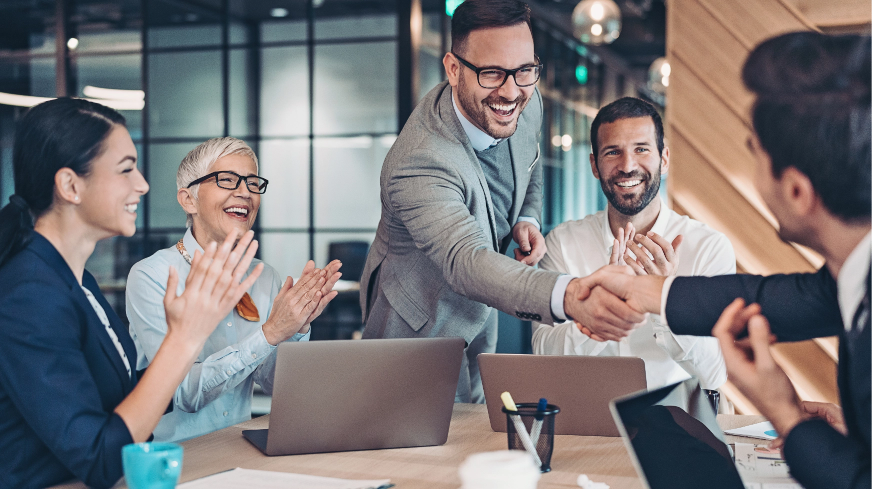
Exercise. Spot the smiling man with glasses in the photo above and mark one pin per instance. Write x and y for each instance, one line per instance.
(463, 179)
(224, 201)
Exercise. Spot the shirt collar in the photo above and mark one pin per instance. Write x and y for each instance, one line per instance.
(850, 282)
(479, 139)
(659, 225)
(191, 243)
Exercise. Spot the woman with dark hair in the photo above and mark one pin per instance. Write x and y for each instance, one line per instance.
(69, 399)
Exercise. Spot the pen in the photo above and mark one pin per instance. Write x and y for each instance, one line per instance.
(536, 430)
(520, 428)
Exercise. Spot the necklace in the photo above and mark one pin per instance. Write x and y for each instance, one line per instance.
(245, 307)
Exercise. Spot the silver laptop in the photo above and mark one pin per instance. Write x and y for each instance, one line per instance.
(675, 442)
(580, 386)
(333, 396)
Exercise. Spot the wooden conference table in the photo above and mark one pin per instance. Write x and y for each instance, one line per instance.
(603, 459)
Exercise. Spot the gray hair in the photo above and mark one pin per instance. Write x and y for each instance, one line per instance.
(200, 159)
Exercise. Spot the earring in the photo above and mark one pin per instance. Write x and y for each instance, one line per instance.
(76, 198)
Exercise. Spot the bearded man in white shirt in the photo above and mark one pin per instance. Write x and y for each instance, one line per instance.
(636, 229)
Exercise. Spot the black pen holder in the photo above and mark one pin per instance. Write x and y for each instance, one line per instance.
(530, 416)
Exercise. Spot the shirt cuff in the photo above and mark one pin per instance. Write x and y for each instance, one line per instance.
(255, 348)
(302, 336)
(533, 221)
(667, 284)
(557, 295)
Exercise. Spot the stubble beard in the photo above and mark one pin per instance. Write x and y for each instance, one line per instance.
(633, 206)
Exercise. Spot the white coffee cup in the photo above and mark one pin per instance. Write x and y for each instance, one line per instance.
(505, 469)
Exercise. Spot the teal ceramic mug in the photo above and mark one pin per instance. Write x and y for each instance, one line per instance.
(152, 465)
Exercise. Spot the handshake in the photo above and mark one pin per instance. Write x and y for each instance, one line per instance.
(611, 302)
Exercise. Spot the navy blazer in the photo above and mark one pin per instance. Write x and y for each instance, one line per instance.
(61, 376)
(798, 307)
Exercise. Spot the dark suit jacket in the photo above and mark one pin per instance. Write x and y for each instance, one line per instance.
(798, 307)
(61, 376)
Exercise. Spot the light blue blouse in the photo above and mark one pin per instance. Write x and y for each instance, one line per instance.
(217, 391)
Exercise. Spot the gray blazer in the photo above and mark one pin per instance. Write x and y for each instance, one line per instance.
(435, 257)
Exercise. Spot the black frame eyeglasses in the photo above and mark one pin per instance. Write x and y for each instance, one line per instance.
(254, 183)
(493, 74)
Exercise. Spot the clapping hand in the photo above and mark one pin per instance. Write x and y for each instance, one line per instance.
(751, 368)
(654, 254)
(619, 246)
(297, 304)
(826, 411)
(212, 289)
(331, 273)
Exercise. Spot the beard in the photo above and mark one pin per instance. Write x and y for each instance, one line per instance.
(632, 205)
(478, 112)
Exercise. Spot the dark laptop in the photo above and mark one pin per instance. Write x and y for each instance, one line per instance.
(675, 442)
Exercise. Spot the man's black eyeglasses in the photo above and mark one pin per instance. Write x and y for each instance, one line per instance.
(230, 181)
(496, 77)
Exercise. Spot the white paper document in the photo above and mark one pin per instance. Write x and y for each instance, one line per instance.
(762, 468)
(764, 431)
(262, 479)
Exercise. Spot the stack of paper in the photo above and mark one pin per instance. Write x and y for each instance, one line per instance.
(262, 479)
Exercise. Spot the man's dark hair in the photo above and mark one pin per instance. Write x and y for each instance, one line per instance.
(625, 108)
(472, 15)
(813, 113)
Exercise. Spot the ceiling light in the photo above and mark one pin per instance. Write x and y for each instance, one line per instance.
(30, 101)
(597, 12)
(596, 21)
(658, 75)
(113, 93)
(278, 12)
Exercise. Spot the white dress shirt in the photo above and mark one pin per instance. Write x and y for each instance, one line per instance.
(851, 280)
(217, 391)
(579, 248)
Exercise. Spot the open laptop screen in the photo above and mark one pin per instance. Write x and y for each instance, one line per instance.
(675, 440)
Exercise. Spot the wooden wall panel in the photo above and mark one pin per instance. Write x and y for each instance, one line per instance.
(717, 56)
(839, 15)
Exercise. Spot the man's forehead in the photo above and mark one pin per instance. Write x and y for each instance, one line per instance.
(634, 130)
(500, 46)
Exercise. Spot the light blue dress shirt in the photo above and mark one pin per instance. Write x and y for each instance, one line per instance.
(217, 391)
(481, 141)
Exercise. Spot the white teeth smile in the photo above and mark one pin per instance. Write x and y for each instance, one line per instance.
(503, 108)
(237, 210)
(628, 184)
(131, 208)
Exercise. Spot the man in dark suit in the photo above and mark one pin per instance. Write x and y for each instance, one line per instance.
(812, 126)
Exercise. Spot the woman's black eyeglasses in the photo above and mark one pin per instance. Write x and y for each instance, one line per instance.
(230, 181)
(496, 77)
